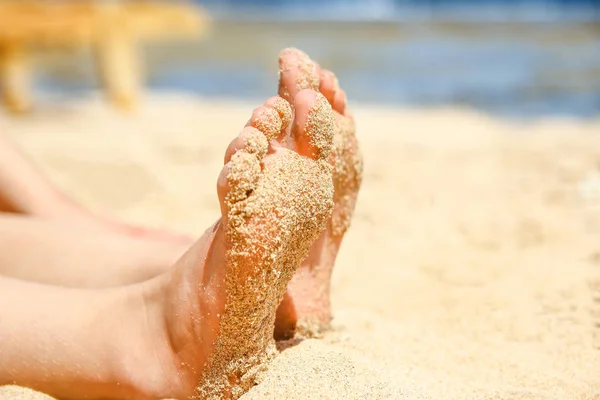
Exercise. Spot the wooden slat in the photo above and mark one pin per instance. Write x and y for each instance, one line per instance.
(111, 29)
(75, 22)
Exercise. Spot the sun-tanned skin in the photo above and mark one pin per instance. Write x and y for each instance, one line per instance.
(306, 306)
(204, 327)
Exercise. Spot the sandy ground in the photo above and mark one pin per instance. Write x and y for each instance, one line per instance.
(472, 270)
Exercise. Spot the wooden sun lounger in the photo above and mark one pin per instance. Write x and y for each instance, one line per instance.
(111, 28)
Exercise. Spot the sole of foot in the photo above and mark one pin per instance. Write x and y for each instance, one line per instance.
(219, 300)
(306, 308)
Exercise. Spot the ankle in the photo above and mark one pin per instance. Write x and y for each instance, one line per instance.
(144, 363)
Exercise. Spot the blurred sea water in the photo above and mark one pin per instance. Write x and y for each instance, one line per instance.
(509, 58)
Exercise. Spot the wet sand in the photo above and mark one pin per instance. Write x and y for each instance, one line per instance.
(471, 270)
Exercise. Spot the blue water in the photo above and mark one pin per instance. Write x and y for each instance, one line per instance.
(512, 58)
(409, 10)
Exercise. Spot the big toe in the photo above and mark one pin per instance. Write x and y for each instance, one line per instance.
(313, 126)
(240, 174)
(297, 72)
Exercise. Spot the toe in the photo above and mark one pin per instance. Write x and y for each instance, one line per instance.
(251, 140)
(339, 102)
(296, 72)
(313, 125)
(267, 120)
(238, 178)
(284, 110)
(329, 85)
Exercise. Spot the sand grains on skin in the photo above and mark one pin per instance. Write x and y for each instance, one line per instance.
(278, 203)
(347, 162)
(306, 310)
(298, 71)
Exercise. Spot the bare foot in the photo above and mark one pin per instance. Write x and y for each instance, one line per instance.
(276, 196)
(204, 328)
(306, 306)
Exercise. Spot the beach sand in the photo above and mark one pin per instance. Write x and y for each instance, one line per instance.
(471, 270)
